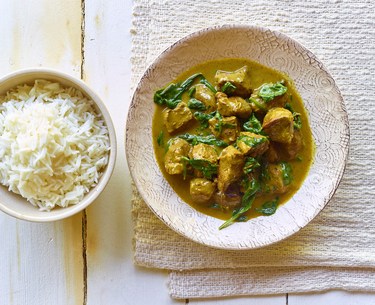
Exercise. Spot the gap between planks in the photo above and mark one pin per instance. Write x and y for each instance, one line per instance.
(84, 215)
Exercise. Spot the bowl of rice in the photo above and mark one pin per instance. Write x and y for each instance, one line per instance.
(57, 145)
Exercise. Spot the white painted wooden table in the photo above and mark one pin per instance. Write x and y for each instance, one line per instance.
(87, 259)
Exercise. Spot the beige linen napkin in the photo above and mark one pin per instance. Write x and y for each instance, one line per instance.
(337, 249)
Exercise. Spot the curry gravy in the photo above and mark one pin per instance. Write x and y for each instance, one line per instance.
(259, 75)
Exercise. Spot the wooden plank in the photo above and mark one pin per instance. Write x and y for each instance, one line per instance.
(332, 298)
(112, 276)
(261, 300)
(41, 33)
(41, 263)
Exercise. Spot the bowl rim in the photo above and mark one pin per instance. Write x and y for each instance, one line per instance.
(94, 192)
(219, 28)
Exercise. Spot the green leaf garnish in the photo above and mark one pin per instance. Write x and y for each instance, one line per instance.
(253, 125)
(250, 165)
(253, 187)
(228, 88)
(269, 208)
(196, 104)
(269, 91)
(208, 84)
(191, 91)
(160, 138)
(207, 168)
(221, 124)
(258, 103)
(170, 96)
(210, 139)
(203, 118)
(296, 117)
(286, 171)
(251, 141)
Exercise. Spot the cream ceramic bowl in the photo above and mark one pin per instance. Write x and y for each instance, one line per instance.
(327, 115)
(17, 206)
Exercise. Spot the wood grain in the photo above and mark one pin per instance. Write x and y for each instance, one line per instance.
(44, 263)
(41, 263)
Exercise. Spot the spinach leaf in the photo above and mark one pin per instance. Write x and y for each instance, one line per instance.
(203, 118)
(221, 124)
(196, 104)
(253, 125)
(265, 178)
(168, 93)
(171, 95)
(252, 187)
(160, 138)
(247, 202)
(242, 218)
(250, 164)
(172, 104)
(269, 91)
(191, 91)
(228, 88)
(208, 84)
(210, 139)
(251, 141)
(257, 102)
(297, 121)
(238, 213)
(286, 171)
(296, 117)
(206, 167)
(269, 208)
(185, 162)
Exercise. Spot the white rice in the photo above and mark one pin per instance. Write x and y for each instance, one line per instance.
(53, 144)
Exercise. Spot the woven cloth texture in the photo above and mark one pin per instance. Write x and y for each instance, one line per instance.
(337, 249)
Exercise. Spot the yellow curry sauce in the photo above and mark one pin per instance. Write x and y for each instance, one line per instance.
(259, 75)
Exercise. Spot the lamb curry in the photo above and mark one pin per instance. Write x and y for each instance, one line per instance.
(232, 138)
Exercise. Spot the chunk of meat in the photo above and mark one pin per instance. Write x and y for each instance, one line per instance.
(251, 144)
(272, 155)
(278, 125)
(235, 105)
(177, 118)
(172, 162)
(239, 78)
(292, 149)
(225, 128)
(229, 199)
(206, 96)
(276, 178)
(231, 162)
(202, 190)
(203, 151)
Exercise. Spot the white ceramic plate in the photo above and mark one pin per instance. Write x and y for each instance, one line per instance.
(328, 121)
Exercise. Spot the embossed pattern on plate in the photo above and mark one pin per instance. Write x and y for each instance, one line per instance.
(328, 121)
